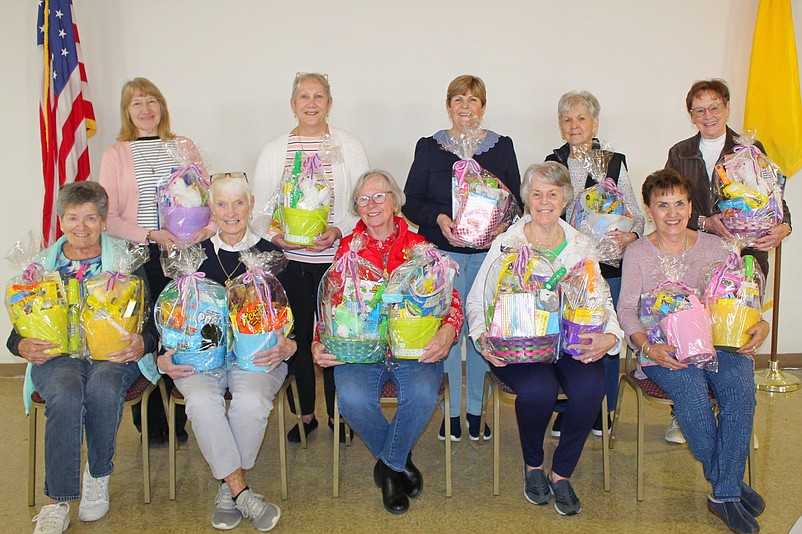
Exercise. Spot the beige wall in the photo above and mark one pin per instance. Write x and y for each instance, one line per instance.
(226, 70)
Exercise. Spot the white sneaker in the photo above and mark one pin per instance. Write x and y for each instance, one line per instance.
(673, 432)
(225, 516)
(94, 497)
(52, 519)
(263, 515)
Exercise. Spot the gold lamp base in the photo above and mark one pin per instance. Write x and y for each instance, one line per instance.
(774, 381)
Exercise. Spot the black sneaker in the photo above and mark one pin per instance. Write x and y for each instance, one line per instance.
(294, 435)
(473, 427)
(456, 431)
(556, 428)
(597, 425)
(565, 500)
(342, 431)
(536, 487)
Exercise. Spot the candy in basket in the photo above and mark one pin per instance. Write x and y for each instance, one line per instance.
(682, 321)
(734, 295)
(600, 208)
(748, 190)
(182, 196)
(352, 320)
(584, 298)
(191, 313)
(301, 203)
(37, 301)
(523, 306)
(257, 307)
(418, 296)
(114, 304)
(480, 202)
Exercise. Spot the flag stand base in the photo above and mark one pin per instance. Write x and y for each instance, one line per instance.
(774, 381)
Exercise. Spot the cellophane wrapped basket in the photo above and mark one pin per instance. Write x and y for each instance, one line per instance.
(584, 298)
(418, 298)
(257, 307)
(523, 307)
(38, 303)
(352, 318)
(192, 313)
(734, 296)
(182, 198)
(114, 303)
(748, 190)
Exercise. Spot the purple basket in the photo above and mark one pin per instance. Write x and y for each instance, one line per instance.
(570, 334)
(184, 222)
(539, 349)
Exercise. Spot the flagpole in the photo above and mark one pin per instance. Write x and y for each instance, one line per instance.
(772, 379)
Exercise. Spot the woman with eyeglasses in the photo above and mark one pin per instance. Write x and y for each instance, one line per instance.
(386, 238)
(428, 189)
(230, 441)
(343, 160)
(130, 171)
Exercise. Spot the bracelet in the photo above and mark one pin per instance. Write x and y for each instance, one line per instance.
(645, 352)
(702, 220)
(147, 236)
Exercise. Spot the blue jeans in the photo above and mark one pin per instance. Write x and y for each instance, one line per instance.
(475, 365)
(721, 448)
(80, 396)
(359, 388)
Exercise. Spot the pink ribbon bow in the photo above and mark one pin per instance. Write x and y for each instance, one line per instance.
(610, 184)
(521, 261)
(462, 167)
(258, 277)
(347, 265)
(32, 272)
(113, 279)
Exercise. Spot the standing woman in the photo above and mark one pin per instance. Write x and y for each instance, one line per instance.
(344, 160)
(578, 116)
(428, 190)
(130, 171)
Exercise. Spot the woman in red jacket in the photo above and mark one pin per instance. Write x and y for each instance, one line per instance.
(386, 238)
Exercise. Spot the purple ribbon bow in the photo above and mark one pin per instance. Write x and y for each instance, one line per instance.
(741, 151)
(347, 265)
(113, 279)
(521, 261)
(32, 272)
(610, 184)
(732, 265)
(187, 286)
(258, 277)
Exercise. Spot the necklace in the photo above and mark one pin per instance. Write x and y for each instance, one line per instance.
(225, 272)
(545, 246)
(684, 250)
(146, 160)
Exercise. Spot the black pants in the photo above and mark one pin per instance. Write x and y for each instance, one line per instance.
(302, 281)
(157, 418)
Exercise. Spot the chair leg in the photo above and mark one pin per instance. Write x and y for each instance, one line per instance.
(605, 446)
(171, 443)
(447, 401)
(296, 407)
(640, 417)
(750, 459)
(335, 464)
(494, 392)
(617, 414)
(32, 455)
(282, 445)
(483, 417)
(143, 410)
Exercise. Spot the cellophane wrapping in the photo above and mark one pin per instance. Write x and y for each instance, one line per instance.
(182, 197)
(584, 303)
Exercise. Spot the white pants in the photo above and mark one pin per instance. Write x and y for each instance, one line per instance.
(230, 441)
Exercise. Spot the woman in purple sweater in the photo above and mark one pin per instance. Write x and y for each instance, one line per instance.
(720, 443)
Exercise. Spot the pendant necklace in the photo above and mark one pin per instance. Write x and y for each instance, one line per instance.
(225, 272)
(685, 249)
(146, 160)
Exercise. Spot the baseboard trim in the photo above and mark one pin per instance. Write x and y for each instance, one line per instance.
(9, 370)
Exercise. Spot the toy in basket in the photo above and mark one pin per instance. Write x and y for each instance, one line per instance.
(36, 300)
(418, 296)
(352, 319)
(257, 307)
(748, 189)
(182, 201)
(523, 307)
(584, 299)
(114, 303)
(480, 202)
(601, 208)
(734, 295)
(191, 313)
(302, 202)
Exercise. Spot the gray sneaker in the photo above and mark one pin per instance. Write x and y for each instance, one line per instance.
(225, 516)
(536, 487)
(263, 515)
(565, 500)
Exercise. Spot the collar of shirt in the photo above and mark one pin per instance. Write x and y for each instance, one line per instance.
(247, 241)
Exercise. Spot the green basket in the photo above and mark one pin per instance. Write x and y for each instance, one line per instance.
(408, 335)
(355, 350)
(301, 226)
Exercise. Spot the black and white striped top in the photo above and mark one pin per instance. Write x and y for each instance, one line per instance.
(152, 164)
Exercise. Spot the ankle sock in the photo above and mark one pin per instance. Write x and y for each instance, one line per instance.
(240, 493)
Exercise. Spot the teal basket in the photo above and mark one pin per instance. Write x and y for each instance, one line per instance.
(356, 350)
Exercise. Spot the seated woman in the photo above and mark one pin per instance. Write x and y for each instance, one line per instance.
(720, 444)
(83, 396)
(547, 190)
(230, 442)
(376, 200)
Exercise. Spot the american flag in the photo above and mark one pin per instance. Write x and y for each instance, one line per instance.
(66, 116)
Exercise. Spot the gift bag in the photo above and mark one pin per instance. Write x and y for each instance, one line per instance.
(584, 299)
(418, 298)
(522, 299)
(748, 190)
(257, 307)
(192, 313)
(352, 318)
(114, 303)
(37, 301)
(734, 297)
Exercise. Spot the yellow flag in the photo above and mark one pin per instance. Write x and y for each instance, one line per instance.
(773, 104)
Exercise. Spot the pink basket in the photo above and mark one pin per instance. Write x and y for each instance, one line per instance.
(689, 331)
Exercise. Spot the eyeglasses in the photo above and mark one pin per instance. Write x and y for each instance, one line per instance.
(233, 175)
(377, 198)
(299, 75)
(715, 109)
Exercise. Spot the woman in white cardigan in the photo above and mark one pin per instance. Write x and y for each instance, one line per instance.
(343, 159)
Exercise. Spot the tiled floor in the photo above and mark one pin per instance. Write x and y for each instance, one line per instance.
(674, 494)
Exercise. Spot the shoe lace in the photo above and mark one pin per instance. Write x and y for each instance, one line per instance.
(253, 505)
(50, 517)
(224, 499)
(96, 488)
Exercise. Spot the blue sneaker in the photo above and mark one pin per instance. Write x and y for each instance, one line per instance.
(565, 500)
(734, 516)
(752, 501)
(536, 487)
